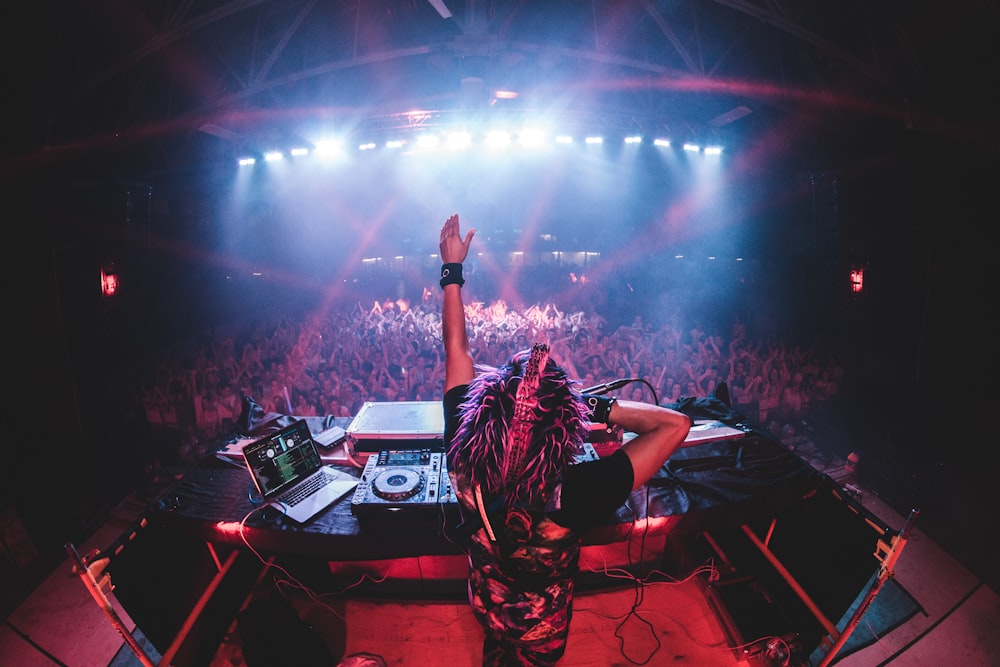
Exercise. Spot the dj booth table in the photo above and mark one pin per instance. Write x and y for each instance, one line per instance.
(702, 506)
(704, 486)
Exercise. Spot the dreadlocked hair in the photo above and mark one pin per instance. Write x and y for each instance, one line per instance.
(558, 431)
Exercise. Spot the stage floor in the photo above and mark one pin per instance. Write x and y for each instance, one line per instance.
(664, 623)
(59, 623)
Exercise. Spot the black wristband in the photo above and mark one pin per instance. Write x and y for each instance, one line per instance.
(451, 274)
(598, 408)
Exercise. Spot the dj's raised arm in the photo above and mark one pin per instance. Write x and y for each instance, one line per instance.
(458, 364)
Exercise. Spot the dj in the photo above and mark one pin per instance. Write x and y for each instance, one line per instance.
(510, 435)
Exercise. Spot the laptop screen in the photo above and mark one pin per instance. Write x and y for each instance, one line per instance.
(282, 458)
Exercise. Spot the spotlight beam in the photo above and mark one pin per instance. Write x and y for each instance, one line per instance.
(441, 8)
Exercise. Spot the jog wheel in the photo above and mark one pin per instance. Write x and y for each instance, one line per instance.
(397, 484)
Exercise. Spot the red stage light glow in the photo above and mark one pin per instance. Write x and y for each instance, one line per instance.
(109, 280)
(857, 280)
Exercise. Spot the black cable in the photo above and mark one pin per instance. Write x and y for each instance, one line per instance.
(639, 589)
(40, 649)
(933, 625)
(656, 398)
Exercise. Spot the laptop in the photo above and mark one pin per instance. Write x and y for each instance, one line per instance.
(291, 477)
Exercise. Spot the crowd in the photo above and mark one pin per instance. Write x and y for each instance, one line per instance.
(331, 362)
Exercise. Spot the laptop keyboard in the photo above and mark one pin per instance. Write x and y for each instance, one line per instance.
(298, 494)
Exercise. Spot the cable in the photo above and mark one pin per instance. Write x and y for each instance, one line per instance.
(639, 590)
(30, 641)
(639, 587)
(347, 453)
(621, 384)
(931, 627)
(293, 582)
(656, 398)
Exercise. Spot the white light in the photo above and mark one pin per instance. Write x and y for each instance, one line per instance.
(247, 161)
(328, 148)
(662, 143)
(594, 140)
(367, 147)
(441, 8)
(298, 152)
(395, 143)
(633, 140)
(531, 138)
(273, 156)
(497, 139)
(459, 140)
(713, 150)
(564, 139)
(692, 148)
(428, 140)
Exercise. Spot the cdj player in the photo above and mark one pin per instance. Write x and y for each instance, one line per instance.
(402, 480)
(411, 480)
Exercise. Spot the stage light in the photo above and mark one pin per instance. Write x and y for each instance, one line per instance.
(247, 161)
(459, 140)
(857, 280)
(713, 150)
(661, 143)
(633, 140)
(594, 140)
(328, 148)
(273, 156)
(441, 8)
(692, 148)
(497, 139)
(109, 280)
(427, 141)
(531, 138)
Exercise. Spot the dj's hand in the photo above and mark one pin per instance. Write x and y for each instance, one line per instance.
(453, 247)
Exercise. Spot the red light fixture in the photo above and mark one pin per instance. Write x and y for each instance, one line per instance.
(857, 280)
(109, 280)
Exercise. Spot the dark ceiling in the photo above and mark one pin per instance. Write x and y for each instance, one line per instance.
(172, 80)
(131, 93)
